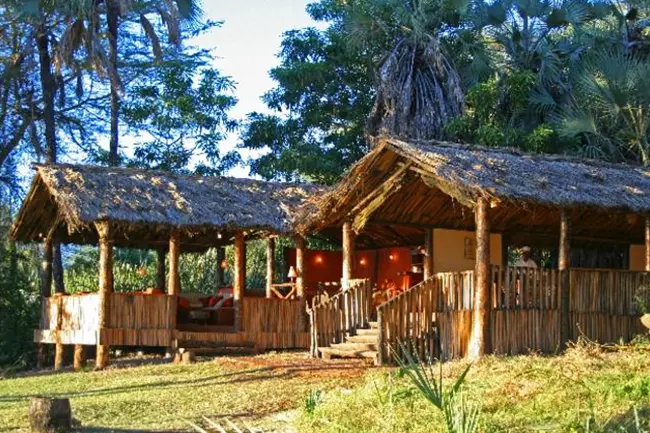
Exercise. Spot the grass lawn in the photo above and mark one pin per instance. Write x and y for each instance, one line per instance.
(161, 397)
(516, 394)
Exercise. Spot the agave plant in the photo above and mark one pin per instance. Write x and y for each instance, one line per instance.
(459, 415)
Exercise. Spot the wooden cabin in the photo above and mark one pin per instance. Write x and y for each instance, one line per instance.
(427, 231)
(170, 214)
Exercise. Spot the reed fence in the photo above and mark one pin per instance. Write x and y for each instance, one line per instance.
(434, 318)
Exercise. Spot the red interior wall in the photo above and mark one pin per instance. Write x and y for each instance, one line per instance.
(327, 266)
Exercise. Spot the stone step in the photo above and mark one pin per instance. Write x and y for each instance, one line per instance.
(369, 339)
(374, 325)
(332, 352)
(371, 331)
(359, 347)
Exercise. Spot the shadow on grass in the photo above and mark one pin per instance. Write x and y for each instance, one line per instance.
(118, 430)
(238, 377)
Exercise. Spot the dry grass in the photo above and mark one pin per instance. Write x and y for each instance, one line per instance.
(162, 397)
(517, 394)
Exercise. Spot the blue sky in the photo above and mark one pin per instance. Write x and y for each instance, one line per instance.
(246, 46)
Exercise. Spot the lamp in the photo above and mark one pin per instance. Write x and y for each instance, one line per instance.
(362, 262)
(292, 275)
(319, 259)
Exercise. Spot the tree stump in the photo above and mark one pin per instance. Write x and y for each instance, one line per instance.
(50, 415)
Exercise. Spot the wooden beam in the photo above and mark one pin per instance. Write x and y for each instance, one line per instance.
(647, 243)
(348, 254)
(239, 283)
(104, 230)
(564, 257)
(160, 268)
(428, 253)
(479, 343)
(174, 283)
(221, 258)
(270, 265)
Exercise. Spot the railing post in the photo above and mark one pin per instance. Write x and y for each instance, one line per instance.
(380, 336)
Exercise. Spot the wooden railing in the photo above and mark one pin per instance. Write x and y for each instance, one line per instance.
(345, 312)
(434, 318)
(127, 311)
(78, 312)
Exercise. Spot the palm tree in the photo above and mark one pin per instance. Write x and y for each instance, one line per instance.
(610, 107)
(418, 87)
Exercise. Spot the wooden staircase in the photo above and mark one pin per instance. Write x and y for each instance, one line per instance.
(361, 345)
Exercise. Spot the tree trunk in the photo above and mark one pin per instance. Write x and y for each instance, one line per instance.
(479, 343)
(348, 254)
(112, 17)
(301, 251)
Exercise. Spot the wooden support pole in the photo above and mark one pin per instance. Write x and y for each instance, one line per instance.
(348, 254)
(647, 243)
(59, 353)
(104, 230)
(174, 283)
(428, 253)
(46, 292)
(160, 269)
(239, 283)
(479, 343)
(79, 361)
(565, 282)
(270, 265)
(301, 270)
(221, 258)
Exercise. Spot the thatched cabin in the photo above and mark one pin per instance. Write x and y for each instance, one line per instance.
(168, 213)
(468, 205)
(429, 233)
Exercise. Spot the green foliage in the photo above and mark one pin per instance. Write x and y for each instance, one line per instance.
(182, 113)
(314, 398)
(19, 299)
(135, 270)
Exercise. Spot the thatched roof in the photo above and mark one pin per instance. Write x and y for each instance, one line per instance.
(145, 204)
(509, 178)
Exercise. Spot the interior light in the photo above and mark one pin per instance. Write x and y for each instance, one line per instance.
(224, 264)
(219, 236)
(392, 257)
(362, 262)
(319, 259)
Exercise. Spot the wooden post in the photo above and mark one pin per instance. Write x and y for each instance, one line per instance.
(381, 357)
(174, 283)
(160, 269)
(79, 357)
(479, 343)
(221, 257)
(46, 292)
(104, 230)
(270, 265)
(565, 282)
(348, 254)
(647, 243)
(239, 283)
(428, 254)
